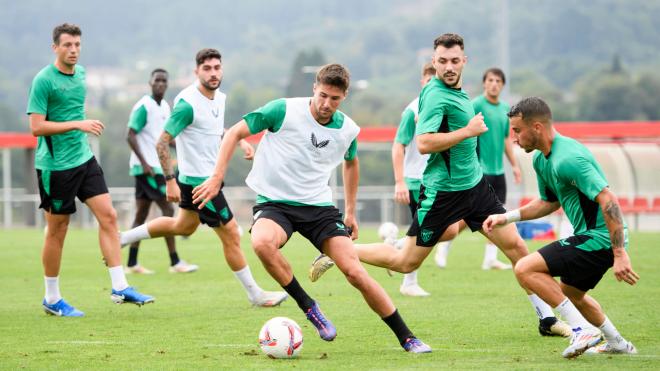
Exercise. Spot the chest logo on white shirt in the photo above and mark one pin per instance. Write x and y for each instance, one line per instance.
(318, 144)
(215, 112)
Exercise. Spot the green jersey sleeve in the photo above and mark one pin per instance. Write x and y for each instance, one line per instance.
(138, 119)
(431, 113)
(38, 100)
(583, 174)
(182, 116)
(351, 152)
(406, 130)
(270, 116)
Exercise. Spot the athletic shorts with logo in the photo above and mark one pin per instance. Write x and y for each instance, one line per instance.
(58, 189)
(214, 213)
(414, 201)
(576, 267)
(437, 210)
(315, 223)
(149, 187)
(498, 182)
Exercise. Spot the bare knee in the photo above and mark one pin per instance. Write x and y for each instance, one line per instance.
(108, 218)
(57, 229)
(522, 270)
(186, 229)
(409, 266)
(264, 246)
(356, 275)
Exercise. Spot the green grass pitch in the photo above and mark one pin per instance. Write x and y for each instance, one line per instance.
(473, 319)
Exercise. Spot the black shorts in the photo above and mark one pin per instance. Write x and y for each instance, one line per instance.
(498, 182)
(150, 187)
(438, 210)
(215, 212)
(413, 203)
(576, 267)
(58, 189)
(315, 223)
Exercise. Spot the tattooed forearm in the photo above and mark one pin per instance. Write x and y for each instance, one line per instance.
(163, 149)
(614, 220)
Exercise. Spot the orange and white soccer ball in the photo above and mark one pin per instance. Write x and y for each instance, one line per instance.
(281, 337)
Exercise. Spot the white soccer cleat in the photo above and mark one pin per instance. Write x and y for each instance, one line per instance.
(183, 267)
(319, 266)
(137, 269)
(441, 252)
(624, 347)
(581, 341)
(413, 290)
(269, 298)
(495, 265)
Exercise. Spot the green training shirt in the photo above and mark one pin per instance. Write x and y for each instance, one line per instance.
(571, 175)
(60, 97)
(442, 110)
(491, 143)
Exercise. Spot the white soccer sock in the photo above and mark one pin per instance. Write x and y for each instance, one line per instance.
(118, 278)
(611, 333)
(52, 295)
(490, 253)
(248, 282)
(409, 279)
(542, 309)
(138, 233)
(572, 315)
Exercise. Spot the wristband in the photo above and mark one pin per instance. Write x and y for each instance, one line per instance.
(512, 216)
(169, 176)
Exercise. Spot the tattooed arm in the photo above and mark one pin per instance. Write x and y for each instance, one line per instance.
(172, 191)
(609, 205)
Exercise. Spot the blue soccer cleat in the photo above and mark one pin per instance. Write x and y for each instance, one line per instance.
(324, 327)
(414, 345)
(61, 309)
(130, 295)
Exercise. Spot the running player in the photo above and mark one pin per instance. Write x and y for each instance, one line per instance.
(305, 140)
(66, 169)
(491, 146)
(146, 122)
(453, 186)
(569, 177)
(198, 122)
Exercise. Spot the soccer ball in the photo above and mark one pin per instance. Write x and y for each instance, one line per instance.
(281, 337)
(388, 231)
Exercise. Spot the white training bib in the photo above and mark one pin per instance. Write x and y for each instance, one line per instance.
(414, 162)
(295, 162)
(147, 138)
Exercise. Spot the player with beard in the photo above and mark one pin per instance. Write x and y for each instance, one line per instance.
(197, 121)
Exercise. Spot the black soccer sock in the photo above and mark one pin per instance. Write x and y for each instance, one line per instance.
(174, 258)
(399, 327)
(132, 256)
(299, 295)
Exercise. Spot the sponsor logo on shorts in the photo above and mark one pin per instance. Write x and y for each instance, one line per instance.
(426, 235)
(224, 213)
(564, 242)
(340, 226)
(57, 204)
(256, 215)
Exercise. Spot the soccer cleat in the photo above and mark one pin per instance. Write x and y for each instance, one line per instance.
(413, 290)
(61, 309)
(624, 347)
(324, 327)
(319, 266)
(269, 299)
(581, 340)
(495, 265)
(183, 267)
(137, 269)
(130, 295)
(552, 326)
(414, 345)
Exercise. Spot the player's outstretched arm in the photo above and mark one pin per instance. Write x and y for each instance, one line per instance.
(204, 192)
(535, 209)
(39, 126)
(401, 194)
(622, 267)
(351, 175)
(440, 142)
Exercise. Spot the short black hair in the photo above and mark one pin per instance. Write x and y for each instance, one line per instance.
(206, 54)
(532, 109)
(158, 70)
(448, 40)
(495, 71)
(66, 28)
(334, 75)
